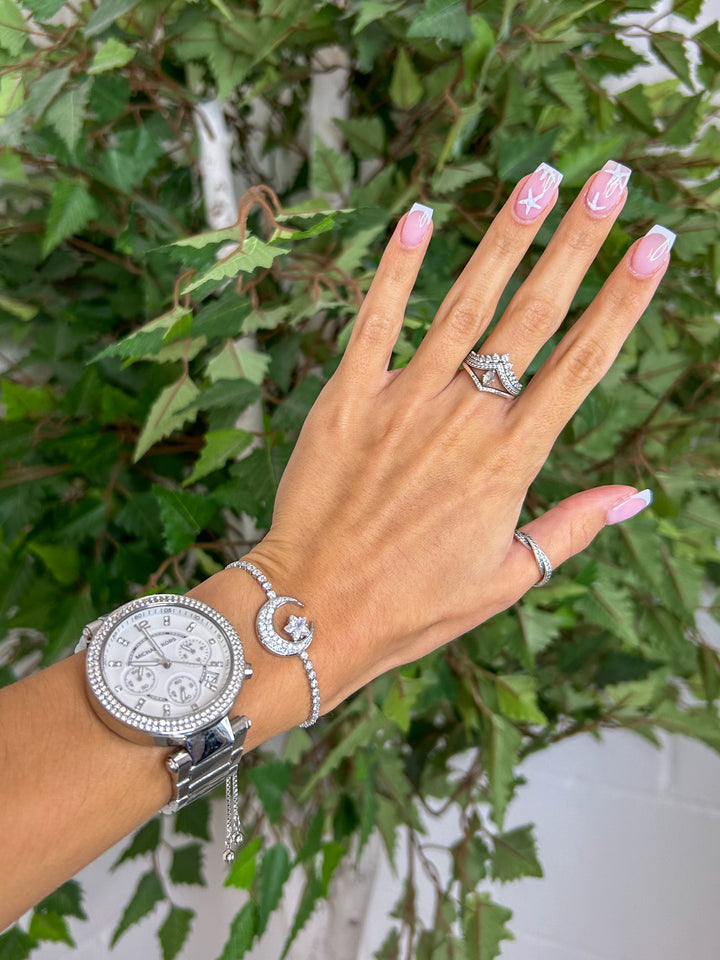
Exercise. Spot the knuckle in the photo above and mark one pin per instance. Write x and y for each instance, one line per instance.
(585, 361)
(535, 317)
(581, 241)
(378, 327)
(465, 321)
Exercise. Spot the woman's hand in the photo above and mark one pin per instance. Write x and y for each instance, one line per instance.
(394, 519)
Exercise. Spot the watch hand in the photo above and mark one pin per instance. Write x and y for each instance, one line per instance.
(145, 632)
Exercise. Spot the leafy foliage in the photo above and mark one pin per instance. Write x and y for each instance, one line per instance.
(123, 382)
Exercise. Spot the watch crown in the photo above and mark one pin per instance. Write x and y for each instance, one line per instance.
(248, 671)
(173, 763)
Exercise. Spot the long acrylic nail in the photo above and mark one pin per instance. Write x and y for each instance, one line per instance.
(651, 253)
(629, 507)
(537, 193)
(416, 225)
(606, 188)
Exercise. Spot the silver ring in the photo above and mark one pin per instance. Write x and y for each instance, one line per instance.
(541, 558)
(493, 365)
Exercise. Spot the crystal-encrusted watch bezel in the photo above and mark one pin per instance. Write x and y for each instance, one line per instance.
(164, 726)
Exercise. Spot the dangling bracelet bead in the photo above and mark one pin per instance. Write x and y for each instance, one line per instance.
(296, 627)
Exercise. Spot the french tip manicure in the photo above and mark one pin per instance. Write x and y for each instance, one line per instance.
(663, 232)
(629, 507)
(416, 225)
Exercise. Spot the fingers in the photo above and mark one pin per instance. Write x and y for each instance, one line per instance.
(540, 305)
(381, 315)
(586, 352)
(471, 303)
(568, 529)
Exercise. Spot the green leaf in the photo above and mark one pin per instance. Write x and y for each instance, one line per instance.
(244, 866)
(274, 871)
(183, 515)
(271, 781)
(174, 931)
(43, 10)
(670, 49)
(148, 893)
(13, 29)
(233, 395)
(110, 56)
(63, 562)
(186, 866)
(503, 747)
(242, 933)
(454, 178)
(220, 446)
(66, 901)
(15, 944)
(254, 254)
(23, 311)
(442, 20)
(365, 136)
(50, 926)
(291, 413)
(106, 14)
(22, 403)
(517, 698)
(333, 853)
(71, 209)
(372, 10)
(194, 820)
(12, 95)
(308, 901)
(145, 840)
(166, 414)
(406, 88)
(515, 855)
(401, 699)
(484, 927)
(700, 723)
(330, 171)
(234, 362)
(67, 114)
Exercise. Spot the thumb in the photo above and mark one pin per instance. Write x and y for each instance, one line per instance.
(570, 526)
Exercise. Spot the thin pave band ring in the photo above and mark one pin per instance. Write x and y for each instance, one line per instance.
(493, 366)
(296, 627)
(541, 558)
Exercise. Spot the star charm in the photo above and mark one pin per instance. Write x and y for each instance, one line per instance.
(530, 202)
(297, 627)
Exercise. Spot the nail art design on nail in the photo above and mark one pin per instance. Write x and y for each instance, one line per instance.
(652, 250)
(537, 192)
(629, 507)
(607, 187)
(416, 225)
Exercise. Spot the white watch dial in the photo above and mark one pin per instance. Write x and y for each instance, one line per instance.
(166, 665)
(166, 662)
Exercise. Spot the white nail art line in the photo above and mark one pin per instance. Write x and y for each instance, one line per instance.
(427, 213)
(666, 244)
(549, 177)
(619, 179)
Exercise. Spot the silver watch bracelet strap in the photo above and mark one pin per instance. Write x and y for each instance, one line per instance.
(306, 662)
(211, 757)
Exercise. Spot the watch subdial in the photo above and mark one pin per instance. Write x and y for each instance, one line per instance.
(194, 650)
(139, 679)
(183, 689)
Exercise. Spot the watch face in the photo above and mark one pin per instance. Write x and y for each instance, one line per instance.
(166, 665)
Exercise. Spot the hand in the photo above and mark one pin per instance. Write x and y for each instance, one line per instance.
(394, 519)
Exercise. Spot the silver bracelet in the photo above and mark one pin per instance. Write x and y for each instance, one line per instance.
(296, 627)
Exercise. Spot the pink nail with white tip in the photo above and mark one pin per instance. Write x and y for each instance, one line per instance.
(629, 507)
(417, 224)
(538, 193)
(652, 251)
(607, 189)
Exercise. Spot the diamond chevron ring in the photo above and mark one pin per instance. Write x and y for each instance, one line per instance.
(493, 366)
(296, 627)
(541, 558)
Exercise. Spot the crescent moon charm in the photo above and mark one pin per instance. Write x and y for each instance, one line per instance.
(296, 627)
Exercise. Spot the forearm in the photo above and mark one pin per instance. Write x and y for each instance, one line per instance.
(73, 788)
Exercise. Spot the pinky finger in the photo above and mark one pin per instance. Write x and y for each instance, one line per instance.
(568, 529)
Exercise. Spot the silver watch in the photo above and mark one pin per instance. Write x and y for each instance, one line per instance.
(167, 669)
